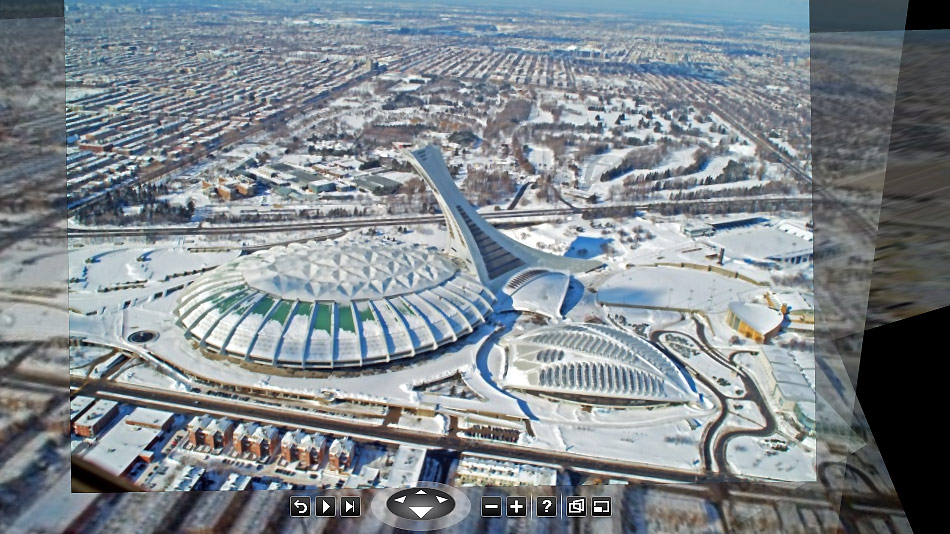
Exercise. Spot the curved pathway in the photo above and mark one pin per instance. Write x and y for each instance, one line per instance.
(715, 445)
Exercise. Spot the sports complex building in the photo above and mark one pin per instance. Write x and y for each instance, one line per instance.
(326, 305)
(319, 305)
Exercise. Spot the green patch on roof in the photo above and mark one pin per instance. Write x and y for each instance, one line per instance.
(263, 306)
(282, 311)
(345, 316)
(304, 308)
(324, 312)
(226, 303)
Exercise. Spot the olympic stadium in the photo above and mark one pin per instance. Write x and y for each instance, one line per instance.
(319, 305)
(328, 305)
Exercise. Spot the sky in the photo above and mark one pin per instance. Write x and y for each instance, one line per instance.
(789, 12)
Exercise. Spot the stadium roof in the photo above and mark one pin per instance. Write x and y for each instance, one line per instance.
(594, 361)
(326, 305)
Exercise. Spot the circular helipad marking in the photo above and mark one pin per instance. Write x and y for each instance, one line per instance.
(142, 336)
(428, 506)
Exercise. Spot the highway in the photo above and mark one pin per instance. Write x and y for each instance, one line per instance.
(296, 225)
(363, 222)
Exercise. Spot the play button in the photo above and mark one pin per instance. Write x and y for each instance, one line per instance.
(415, 504)
(326, 506)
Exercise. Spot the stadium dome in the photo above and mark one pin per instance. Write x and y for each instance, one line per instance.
(594, 364)
(327, 305)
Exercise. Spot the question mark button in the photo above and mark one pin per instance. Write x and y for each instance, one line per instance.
(546, 506)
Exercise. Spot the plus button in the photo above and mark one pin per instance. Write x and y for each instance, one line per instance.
(517, 506)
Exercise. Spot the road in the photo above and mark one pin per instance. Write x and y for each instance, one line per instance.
(318, 224)
(705, 453)
(715, 444)
(752, 393)
(524, 187)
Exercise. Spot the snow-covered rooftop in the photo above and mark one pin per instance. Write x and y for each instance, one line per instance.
(326, 305)
(118, 449)
(761, 243)
(758, 316)
(149, 417)
(539, 291)
(407, 466)
(326, 271)
(673, 287)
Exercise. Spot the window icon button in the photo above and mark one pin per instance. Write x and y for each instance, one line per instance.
(600, 506)
(576, 506)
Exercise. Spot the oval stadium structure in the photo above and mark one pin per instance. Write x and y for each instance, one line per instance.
(326, 305)
(595, 364)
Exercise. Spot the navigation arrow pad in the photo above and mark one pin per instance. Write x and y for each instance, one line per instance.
(415, 504)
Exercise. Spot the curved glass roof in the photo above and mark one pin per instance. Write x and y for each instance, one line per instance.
(593, 360)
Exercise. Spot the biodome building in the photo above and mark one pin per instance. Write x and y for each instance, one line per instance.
(320, 305)
(594, 364)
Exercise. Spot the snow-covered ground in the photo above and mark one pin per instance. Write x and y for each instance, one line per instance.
(759, 457)
(674, 287)
(106, 276)
(541, 157)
